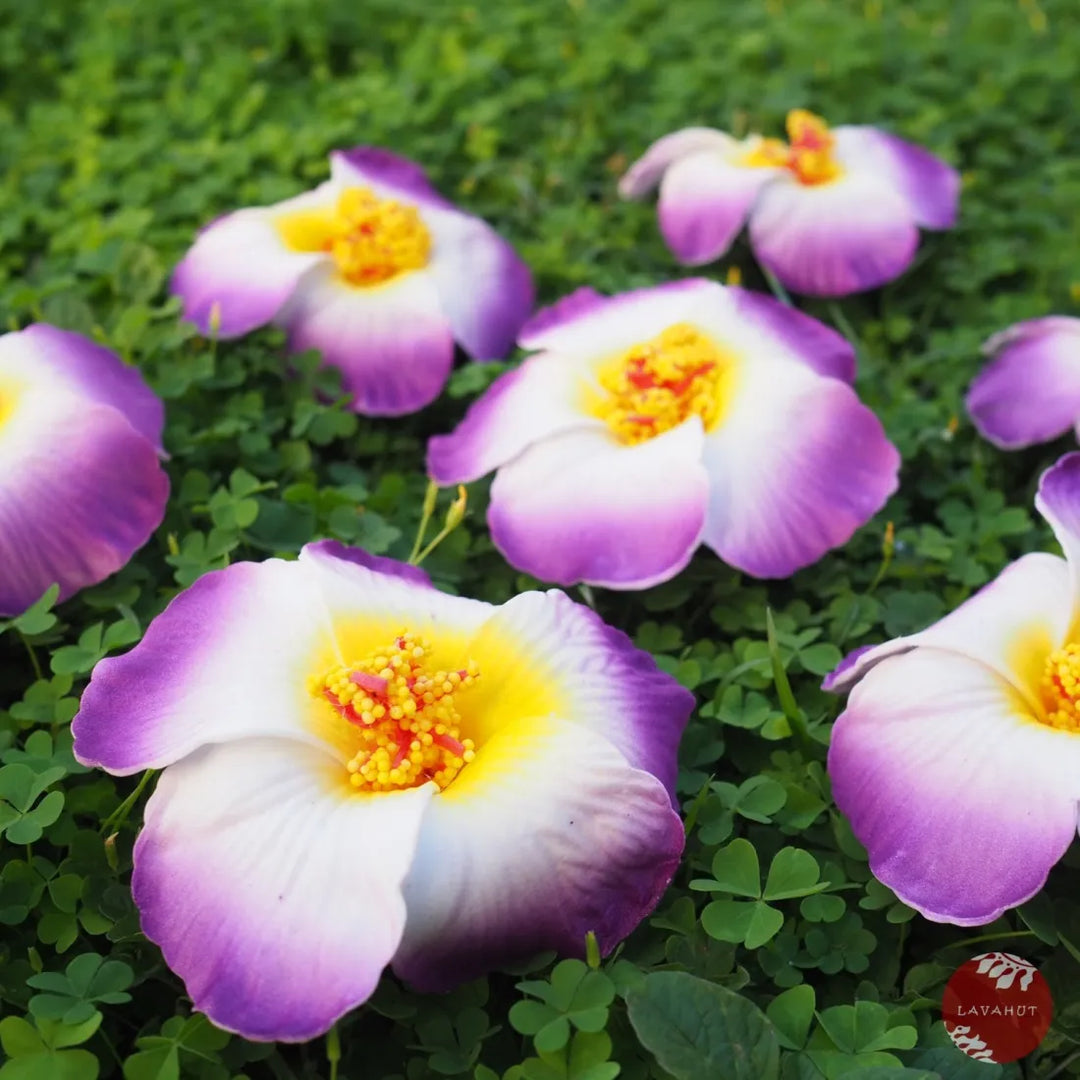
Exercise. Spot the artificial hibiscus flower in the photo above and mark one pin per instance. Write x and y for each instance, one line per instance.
(653, 421)
(957, 759)
(831, 211)
(374, 269)
(81, 482)
(1029, 392)
(361, 771)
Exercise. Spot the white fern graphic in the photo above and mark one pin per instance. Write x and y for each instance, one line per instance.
(971, 1044)
(1004, 967)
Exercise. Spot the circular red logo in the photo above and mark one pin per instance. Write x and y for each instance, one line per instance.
(997, 1007)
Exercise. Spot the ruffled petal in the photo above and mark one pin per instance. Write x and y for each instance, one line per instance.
(963, 800)
(930, 186)
(704, 200)
(648, 170)
(229, 658)
(547, 835)
(1029, 392)
(585, 671)
(274, 893)
(797, 465)
(581, 506)
(852, 234)
(392, 342)
(542, 397)
(1008, 626)
(90, 370)
(815, 344)
(485, 289)
(80, 488)
(239, 272)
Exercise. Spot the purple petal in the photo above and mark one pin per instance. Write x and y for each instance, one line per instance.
(1029, 392)
(547, 835)
(704, 200)
(392, 343)
(596, 676)
(850, 235)
(930, 186)
(540, 398)
(1030, 601)
(379, 564)
(239, 272)
(274, 893)
(797, 465)
(649, 169)
(816, 344)
(963, 800)
(582, 507)
(372, 165)
(97, 374)
(227, 659)
(81, 491)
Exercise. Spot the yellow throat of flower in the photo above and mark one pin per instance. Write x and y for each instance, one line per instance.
(402, 718)
(657, 384)
(372, 240)
(809, 153)
(1060, 689)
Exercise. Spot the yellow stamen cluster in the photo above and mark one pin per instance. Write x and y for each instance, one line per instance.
(656, 385)
(1060, 689)
(373, 240)
(809, 153)
(406, 724)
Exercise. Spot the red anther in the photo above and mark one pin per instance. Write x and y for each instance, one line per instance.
(373, 684)
(402, 751)
(641, 380)
(638, 419)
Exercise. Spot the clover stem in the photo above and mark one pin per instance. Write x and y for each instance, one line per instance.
(120, 814)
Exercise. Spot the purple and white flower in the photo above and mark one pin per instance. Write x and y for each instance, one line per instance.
(374, 269)
(362, 772)
(957, 759)
(81, 482)
(830, 212)
(653, 421)
(1029, 391)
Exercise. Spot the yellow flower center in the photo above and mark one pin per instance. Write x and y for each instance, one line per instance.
(656, 385)
(405, 726)
(808, 154)
(1060, 689)
(372, 240)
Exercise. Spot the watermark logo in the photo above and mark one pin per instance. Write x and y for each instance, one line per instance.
(997, 1007)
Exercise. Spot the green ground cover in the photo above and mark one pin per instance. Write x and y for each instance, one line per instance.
(124, 126)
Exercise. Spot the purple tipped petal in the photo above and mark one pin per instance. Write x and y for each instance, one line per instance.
(326, 551)
(547, 835)
(485, 289)
(604, 681)
(273, 892)
(850, 235)
(582, 507)
(239, 272)
(367, 166)
(392, 343)
(96, 373)
(930, 186)
(816, 344)
(649, 169)
(539, 399)
(1029, 392)
(704, 200)
(963, 800)
(80, 492)
(798, 465)
(588, 324)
